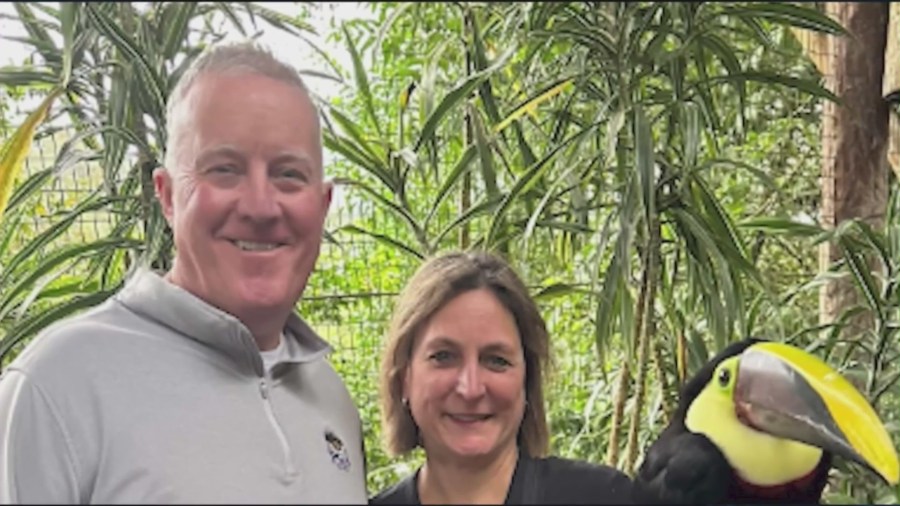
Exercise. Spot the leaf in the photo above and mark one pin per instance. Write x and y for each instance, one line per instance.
(525, 182)
(176, 29)
(17, 76)
(488, 172)
(14, 151)
(644, 159)
(460, 168)
(34, 247)
(789, 14)
(531, 104)
(480, 209)
(454, 97)
(394, 208)
(384, 239)
(150, 83)
(805, 85)
(68, 22)
(54, 260)
(362, 81)
(786, 226)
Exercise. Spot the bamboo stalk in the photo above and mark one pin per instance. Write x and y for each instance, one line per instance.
(647, 333)
(621, 395)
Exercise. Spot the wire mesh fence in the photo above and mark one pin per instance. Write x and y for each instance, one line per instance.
(349, 300)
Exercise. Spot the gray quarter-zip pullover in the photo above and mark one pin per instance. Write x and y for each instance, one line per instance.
(157, 397)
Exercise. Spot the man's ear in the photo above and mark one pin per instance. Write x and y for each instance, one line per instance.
(162, 183)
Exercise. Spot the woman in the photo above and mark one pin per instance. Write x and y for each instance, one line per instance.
(462, 378)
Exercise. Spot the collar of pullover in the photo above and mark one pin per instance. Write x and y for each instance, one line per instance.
(151, 296)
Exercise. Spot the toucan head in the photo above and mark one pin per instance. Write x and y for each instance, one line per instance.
(772, 409)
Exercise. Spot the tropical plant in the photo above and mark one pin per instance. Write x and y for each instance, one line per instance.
(112, 74)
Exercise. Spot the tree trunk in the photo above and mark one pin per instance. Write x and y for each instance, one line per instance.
(854, 144)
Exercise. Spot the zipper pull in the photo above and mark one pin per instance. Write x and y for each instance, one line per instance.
(263, 389)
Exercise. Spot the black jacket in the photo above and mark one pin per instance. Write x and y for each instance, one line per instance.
(549, 480)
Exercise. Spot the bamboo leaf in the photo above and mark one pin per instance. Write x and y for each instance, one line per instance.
(68, 21)
(789, 14)
(786, 226)
(225, 8)
(476, 211)
(460, 168)
(384, 239)
(57, 229)
(394, 208)
(176, 29)
(150, 82)
(14, 76)
(531, 104)
(525, 182)
(454, 97)
(14, 151)
(805, 85)
(863, 276)
(488, 172)
(54, 260)
(644, 160)
(362, 81)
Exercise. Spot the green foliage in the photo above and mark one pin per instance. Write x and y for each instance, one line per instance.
(116, 63)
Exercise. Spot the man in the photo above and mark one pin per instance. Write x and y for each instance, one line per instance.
(202, 385)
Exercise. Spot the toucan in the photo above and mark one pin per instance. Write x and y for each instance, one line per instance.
(761, 423)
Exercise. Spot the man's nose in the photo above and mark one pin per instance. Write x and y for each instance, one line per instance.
(469, 383)
(259, 197)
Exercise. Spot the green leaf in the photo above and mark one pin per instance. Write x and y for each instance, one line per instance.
(454, 97)
(362, 81)
(805, 85)
(786, 226)
(15, 150)
(178, 16)
(863, 275)
(525, 182)
(788, 14)
(68, 22)
(644, 160)
(462, 165)
(150, 83)
(488, 171)
(384, 239)
(49, 262)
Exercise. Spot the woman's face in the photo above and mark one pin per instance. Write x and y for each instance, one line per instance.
(466, 379)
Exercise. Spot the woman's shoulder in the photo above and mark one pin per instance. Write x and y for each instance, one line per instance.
(402, 492)
(576, 481)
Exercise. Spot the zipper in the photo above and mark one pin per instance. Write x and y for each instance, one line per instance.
(290, 471)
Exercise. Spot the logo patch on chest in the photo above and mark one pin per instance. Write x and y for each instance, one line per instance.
(337, 450)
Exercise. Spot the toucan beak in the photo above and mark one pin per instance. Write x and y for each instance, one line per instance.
(788, 393)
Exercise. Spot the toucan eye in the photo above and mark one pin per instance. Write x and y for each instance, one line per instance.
(724, 377)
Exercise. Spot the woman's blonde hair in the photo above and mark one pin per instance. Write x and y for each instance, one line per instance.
(438, 281)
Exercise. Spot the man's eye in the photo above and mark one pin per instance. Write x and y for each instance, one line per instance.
(295, 174)
(223, 169)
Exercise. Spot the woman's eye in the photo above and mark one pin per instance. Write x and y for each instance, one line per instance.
(440, 357)
(498, 362)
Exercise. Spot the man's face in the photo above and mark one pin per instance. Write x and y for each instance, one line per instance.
(247, 200)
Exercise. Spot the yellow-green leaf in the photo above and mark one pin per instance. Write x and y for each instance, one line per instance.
(530, 107)
(15, 150)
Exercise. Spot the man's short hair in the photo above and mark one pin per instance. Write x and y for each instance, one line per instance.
(233, 58)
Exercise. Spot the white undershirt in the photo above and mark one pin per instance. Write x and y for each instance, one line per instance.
(272, 357)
